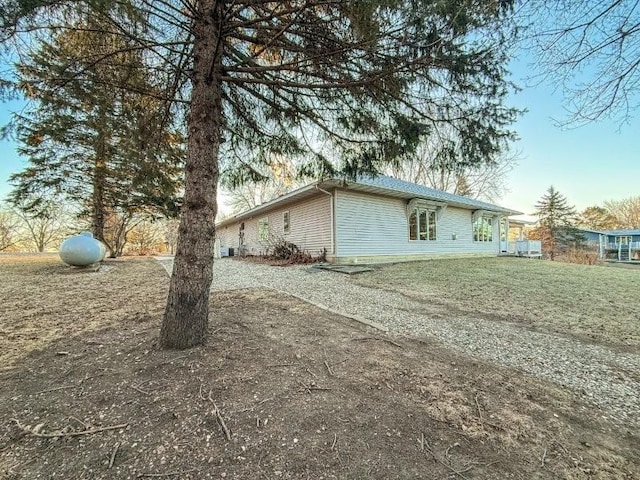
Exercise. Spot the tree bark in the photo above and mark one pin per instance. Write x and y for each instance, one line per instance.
(187, 312)
(99, 179)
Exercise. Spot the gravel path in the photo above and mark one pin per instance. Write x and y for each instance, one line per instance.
(606, 378)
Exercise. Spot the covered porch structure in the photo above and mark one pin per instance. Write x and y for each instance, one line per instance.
(513, 239)
(619, 245)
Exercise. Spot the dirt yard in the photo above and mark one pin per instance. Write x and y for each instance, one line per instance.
(282, 390)
(595, 303)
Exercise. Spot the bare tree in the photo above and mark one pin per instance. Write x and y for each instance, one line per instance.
(426, 167)
(171, 234)
(597, 218)
(10, 225)
(626, 211)
(591, 49)
(146, 238)
(45, 227)
(277, 178)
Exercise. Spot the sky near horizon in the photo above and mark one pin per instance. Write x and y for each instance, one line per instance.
(589, 164)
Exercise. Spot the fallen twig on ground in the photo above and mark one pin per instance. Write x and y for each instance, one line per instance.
(249, 409)
(479, 411)
(362, 339)
(446, 453)
(168, 474)
(84, 424)
(328, 368)
(223, 425)
(442, 462)
(138, 389)
(90, 431)
(226, 431)
(171, 360)
(55, 389)
(313, 387)
(113, 455)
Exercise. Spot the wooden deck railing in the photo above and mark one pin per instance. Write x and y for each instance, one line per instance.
(616, 246)
(528, 248)
(624, 251)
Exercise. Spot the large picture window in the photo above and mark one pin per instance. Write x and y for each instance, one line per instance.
(422, 224)
(483, 230)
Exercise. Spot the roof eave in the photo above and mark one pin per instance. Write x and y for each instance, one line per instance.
(409, 195)
(336, 183)
(286, 198)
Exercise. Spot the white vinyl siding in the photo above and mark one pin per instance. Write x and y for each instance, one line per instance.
(286, 221)
(374, 225)
(310, 227)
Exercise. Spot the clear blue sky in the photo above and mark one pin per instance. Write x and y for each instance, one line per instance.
(590, 164)
(10, 162)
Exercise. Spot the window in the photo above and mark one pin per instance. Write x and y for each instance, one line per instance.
(286, 222)
(422, 224)
(483, 230)
(263, 228)
(623, 240)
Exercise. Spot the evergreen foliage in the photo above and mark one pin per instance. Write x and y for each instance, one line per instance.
(92, 133)
(343, 87)
(556, 219)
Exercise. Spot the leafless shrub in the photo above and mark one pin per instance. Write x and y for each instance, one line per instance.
(583, 256)
(279, 251)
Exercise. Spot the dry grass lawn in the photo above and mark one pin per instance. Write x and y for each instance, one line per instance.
(598, 303)
(302, 393)
(44, 300)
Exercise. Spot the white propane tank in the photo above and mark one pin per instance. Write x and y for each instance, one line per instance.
(103, 249)
(82, 250)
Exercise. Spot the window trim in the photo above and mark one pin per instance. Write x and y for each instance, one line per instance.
(619, 238)
(430, 214)
(486, 238)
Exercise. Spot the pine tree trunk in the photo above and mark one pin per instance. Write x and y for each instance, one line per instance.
(186, 315)
(98, 213)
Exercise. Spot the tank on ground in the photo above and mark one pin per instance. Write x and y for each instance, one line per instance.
(82, 250)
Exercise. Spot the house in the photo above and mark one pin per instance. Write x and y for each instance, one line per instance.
(372, 219)
(621, 245)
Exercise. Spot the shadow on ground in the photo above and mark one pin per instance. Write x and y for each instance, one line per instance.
(283, 390)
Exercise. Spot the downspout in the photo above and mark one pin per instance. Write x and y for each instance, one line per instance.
(333, 246)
